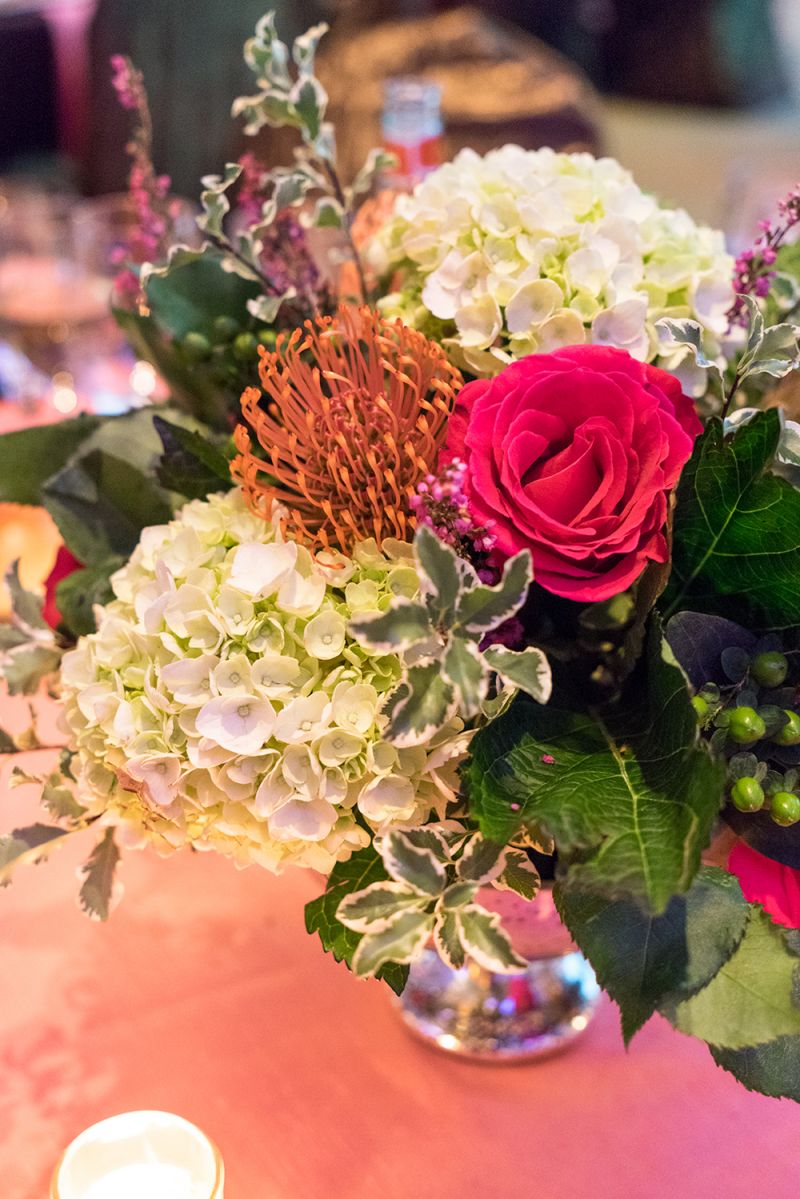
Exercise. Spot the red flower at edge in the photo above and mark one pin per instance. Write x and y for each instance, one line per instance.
(65, 564)
(573, 455)
(765, 881)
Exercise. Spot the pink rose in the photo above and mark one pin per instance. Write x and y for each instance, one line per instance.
(765, 881)
(573, 455)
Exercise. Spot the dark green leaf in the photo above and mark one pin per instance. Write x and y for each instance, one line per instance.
(29, 457)
(191, 463)
(770, 1069)
(750, 1000)
(77, 594)
(358, 872)
(191, 295)
(101, 503)
(631, 794)
(641, 959)
(7, 745)
(190, 385)
(736, 545)
(98, 877)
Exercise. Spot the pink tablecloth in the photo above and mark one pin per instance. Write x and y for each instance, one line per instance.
(204, 996)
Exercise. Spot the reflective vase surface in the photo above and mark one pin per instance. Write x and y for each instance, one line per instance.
(474, 1013)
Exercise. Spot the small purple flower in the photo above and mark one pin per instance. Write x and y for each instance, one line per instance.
(752, 272)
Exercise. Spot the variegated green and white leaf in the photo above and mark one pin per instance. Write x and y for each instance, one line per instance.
(26, 845)
(481, 860)
(496, 706)
(465, 669)
(373, 909)
(26, 606)
(328, 213)
(401, 942)
(444, 575)
(483, 608)
(25, 667)
(60, 800)
(527, 669)
(519, 875)
(447, 939)
(310, 100)
(457, 895)
(216, 204)
(691, 335)
(305, 46)
(430, 837)
(377, 160)
(429, 703)
(265, 308)
(266, 54)
(484, 940)
(405, 624)
(11, 636)
(412, 865)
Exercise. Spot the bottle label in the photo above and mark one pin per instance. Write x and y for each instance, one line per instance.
(416, 159)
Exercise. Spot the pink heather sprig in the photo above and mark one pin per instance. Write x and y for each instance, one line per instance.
(754, 267)
(442, 504)
(252, 186)
(148, 242)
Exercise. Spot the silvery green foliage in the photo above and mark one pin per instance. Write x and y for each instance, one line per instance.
(435, 873)
(289, 95)
(770, 351)
(28, 648)
(439, 636)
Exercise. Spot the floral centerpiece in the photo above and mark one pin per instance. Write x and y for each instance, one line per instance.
(339, 605)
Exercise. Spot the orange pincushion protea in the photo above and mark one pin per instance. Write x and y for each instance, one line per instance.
(357, 413)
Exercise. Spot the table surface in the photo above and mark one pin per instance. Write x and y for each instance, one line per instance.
(204, 996)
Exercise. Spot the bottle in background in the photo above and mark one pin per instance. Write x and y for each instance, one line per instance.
(411, 128)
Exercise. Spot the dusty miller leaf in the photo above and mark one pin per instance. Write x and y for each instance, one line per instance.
(98, 877)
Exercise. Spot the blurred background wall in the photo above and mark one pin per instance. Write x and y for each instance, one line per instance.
(699, 97)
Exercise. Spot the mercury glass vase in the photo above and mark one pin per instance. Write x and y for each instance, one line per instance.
(533, 1013)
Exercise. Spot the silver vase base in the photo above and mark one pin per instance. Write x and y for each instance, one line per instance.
(476, 1014)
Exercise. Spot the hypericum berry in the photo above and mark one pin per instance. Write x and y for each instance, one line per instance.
(196, 347)
(747, 795)
(790, 733)
(745, 725)
(784, 808)
(770, 668)
(701, 707)
(268, 338)
(245, 346)
(225, 328)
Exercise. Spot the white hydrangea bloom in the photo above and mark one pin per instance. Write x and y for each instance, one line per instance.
(222, 704)
(525, 251)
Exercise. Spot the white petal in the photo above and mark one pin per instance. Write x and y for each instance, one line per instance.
(258, 570)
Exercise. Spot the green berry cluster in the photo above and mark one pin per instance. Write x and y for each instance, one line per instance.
(227, 350)
(753, 721)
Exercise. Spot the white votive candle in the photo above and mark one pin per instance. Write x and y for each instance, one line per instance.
(140, 1155)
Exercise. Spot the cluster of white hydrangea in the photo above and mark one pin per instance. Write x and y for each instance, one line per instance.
(525, 251)
(221, 702)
